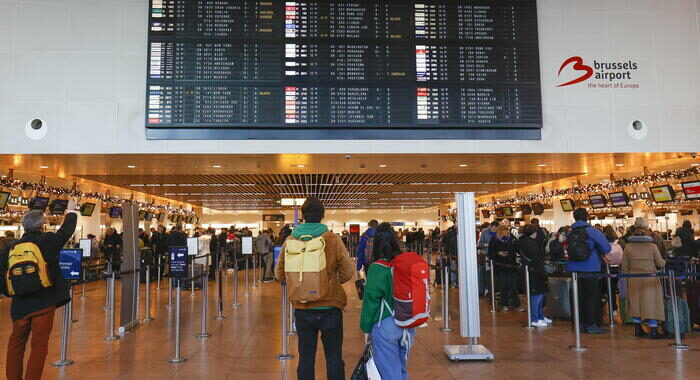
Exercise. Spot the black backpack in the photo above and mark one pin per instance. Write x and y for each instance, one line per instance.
(579, 250)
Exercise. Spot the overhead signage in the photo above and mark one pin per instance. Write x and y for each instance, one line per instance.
(178, 262)
(599, 73)
(70, 261)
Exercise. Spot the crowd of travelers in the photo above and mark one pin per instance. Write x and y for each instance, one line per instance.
(314, 262)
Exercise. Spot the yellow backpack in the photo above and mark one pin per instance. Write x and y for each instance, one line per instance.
(305, 266)
(27, 271)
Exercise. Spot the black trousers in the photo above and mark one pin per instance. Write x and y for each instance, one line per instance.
(330, 323)
(508, 283)
(589, 302)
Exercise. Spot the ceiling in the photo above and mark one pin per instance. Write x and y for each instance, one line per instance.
(366, 181)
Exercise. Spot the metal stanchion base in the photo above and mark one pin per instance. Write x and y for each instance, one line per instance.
(168, 307)
(220, 318)
(106, 307)
(113, 337)
(291, 333)
(285, 356)
(447, 329)
(176, 360)
(578, 349)
(62, 363)
(83, 297)
(202, 336)
(531, 327)
(235, 305)
(678, 346)
(147, 319)
(468, 352)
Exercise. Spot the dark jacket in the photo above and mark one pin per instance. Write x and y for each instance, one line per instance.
(361, 259)
(112, 243)
(689, 247)
(50, 244)
(160, 242)
(533, 256)
(508, 262)
(556, 250)
(177, 239)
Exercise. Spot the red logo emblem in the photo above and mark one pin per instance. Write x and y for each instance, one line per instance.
(578, 66)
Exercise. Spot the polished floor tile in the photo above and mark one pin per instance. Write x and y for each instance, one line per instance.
(245, 344)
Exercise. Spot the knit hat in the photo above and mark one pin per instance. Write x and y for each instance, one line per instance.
(641, 222)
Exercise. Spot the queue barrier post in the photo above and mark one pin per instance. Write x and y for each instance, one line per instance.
(112, 336)
(493, 287)
(247, 287)
(177, 358)
(292, 330)
(527, 296)
(285, 355)
(205, 286)
(610, 297)
(220, 293)
(65, 331)
(235, 285)
(193, 278)
(170, 294)
(107, 282)
(577, 326)
(84, 281)
(677, 344)
(255, 272)
(446, 299)
(159, 271)
(148, 317)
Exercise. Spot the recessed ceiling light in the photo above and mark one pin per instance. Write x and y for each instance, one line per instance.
(462, 165)
(382, 166)
(619, 165)
(694, 164)
(131, 166)
(216, 166)
(300, 166)
(44, 167)
(541, 165)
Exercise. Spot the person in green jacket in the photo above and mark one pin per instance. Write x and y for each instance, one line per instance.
(390, 343)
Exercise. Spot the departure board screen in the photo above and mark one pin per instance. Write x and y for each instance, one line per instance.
(373, 69)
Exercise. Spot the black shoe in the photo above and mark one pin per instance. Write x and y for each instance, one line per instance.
(638, 331)
(654, 334)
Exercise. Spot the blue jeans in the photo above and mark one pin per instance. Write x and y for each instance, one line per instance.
(390, 354)
(536, 306)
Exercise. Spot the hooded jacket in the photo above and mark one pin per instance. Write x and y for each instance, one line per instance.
(338, 266)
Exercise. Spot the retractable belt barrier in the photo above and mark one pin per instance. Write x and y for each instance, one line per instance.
(678, 344)
(178, 357)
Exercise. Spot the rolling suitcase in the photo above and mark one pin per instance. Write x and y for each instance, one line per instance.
(693, 293)
(558, 305)
(683, 316)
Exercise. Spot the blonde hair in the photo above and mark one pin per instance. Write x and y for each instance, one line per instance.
(503, 231)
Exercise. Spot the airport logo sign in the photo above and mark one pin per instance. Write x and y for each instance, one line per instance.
(599, 74)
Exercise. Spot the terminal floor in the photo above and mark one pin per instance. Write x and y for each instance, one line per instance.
(244, 345)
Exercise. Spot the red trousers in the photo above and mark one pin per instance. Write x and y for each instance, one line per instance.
(39, 324)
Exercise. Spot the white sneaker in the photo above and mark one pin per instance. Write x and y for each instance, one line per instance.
(539, 324)
(547, 320)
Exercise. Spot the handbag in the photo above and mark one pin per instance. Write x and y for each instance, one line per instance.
(360, 286)
(677, 242)
(366, 368)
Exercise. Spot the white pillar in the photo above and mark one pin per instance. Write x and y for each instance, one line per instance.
(559, 216)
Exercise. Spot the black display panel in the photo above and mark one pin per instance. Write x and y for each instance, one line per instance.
(245, 69)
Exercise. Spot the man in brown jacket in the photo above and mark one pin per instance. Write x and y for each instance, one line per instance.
(326, 313)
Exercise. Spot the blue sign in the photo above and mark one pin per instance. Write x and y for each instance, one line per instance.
(398, 224)
(178, 262)
(71, 263)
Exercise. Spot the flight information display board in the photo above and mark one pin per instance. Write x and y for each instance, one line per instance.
(272, 69)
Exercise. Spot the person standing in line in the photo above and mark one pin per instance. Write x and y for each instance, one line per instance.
(531, 249)
(645, 295)
(584, 237)
(364, 248)
(390, 343)
(503, 250)
(263, 245)
(326, 313)
(34, 313)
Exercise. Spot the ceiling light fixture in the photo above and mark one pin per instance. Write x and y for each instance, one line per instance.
(619, 165)
(541, 165)
(462, 165)
(382, 166)
(43, 167)
(131, 166)
(694, 164)
(300, 166)
(216, 166)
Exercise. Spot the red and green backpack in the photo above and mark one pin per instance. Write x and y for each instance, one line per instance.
(411, 279)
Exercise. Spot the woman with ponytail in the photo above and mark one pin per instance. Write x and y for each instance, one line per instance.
(390, 343)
